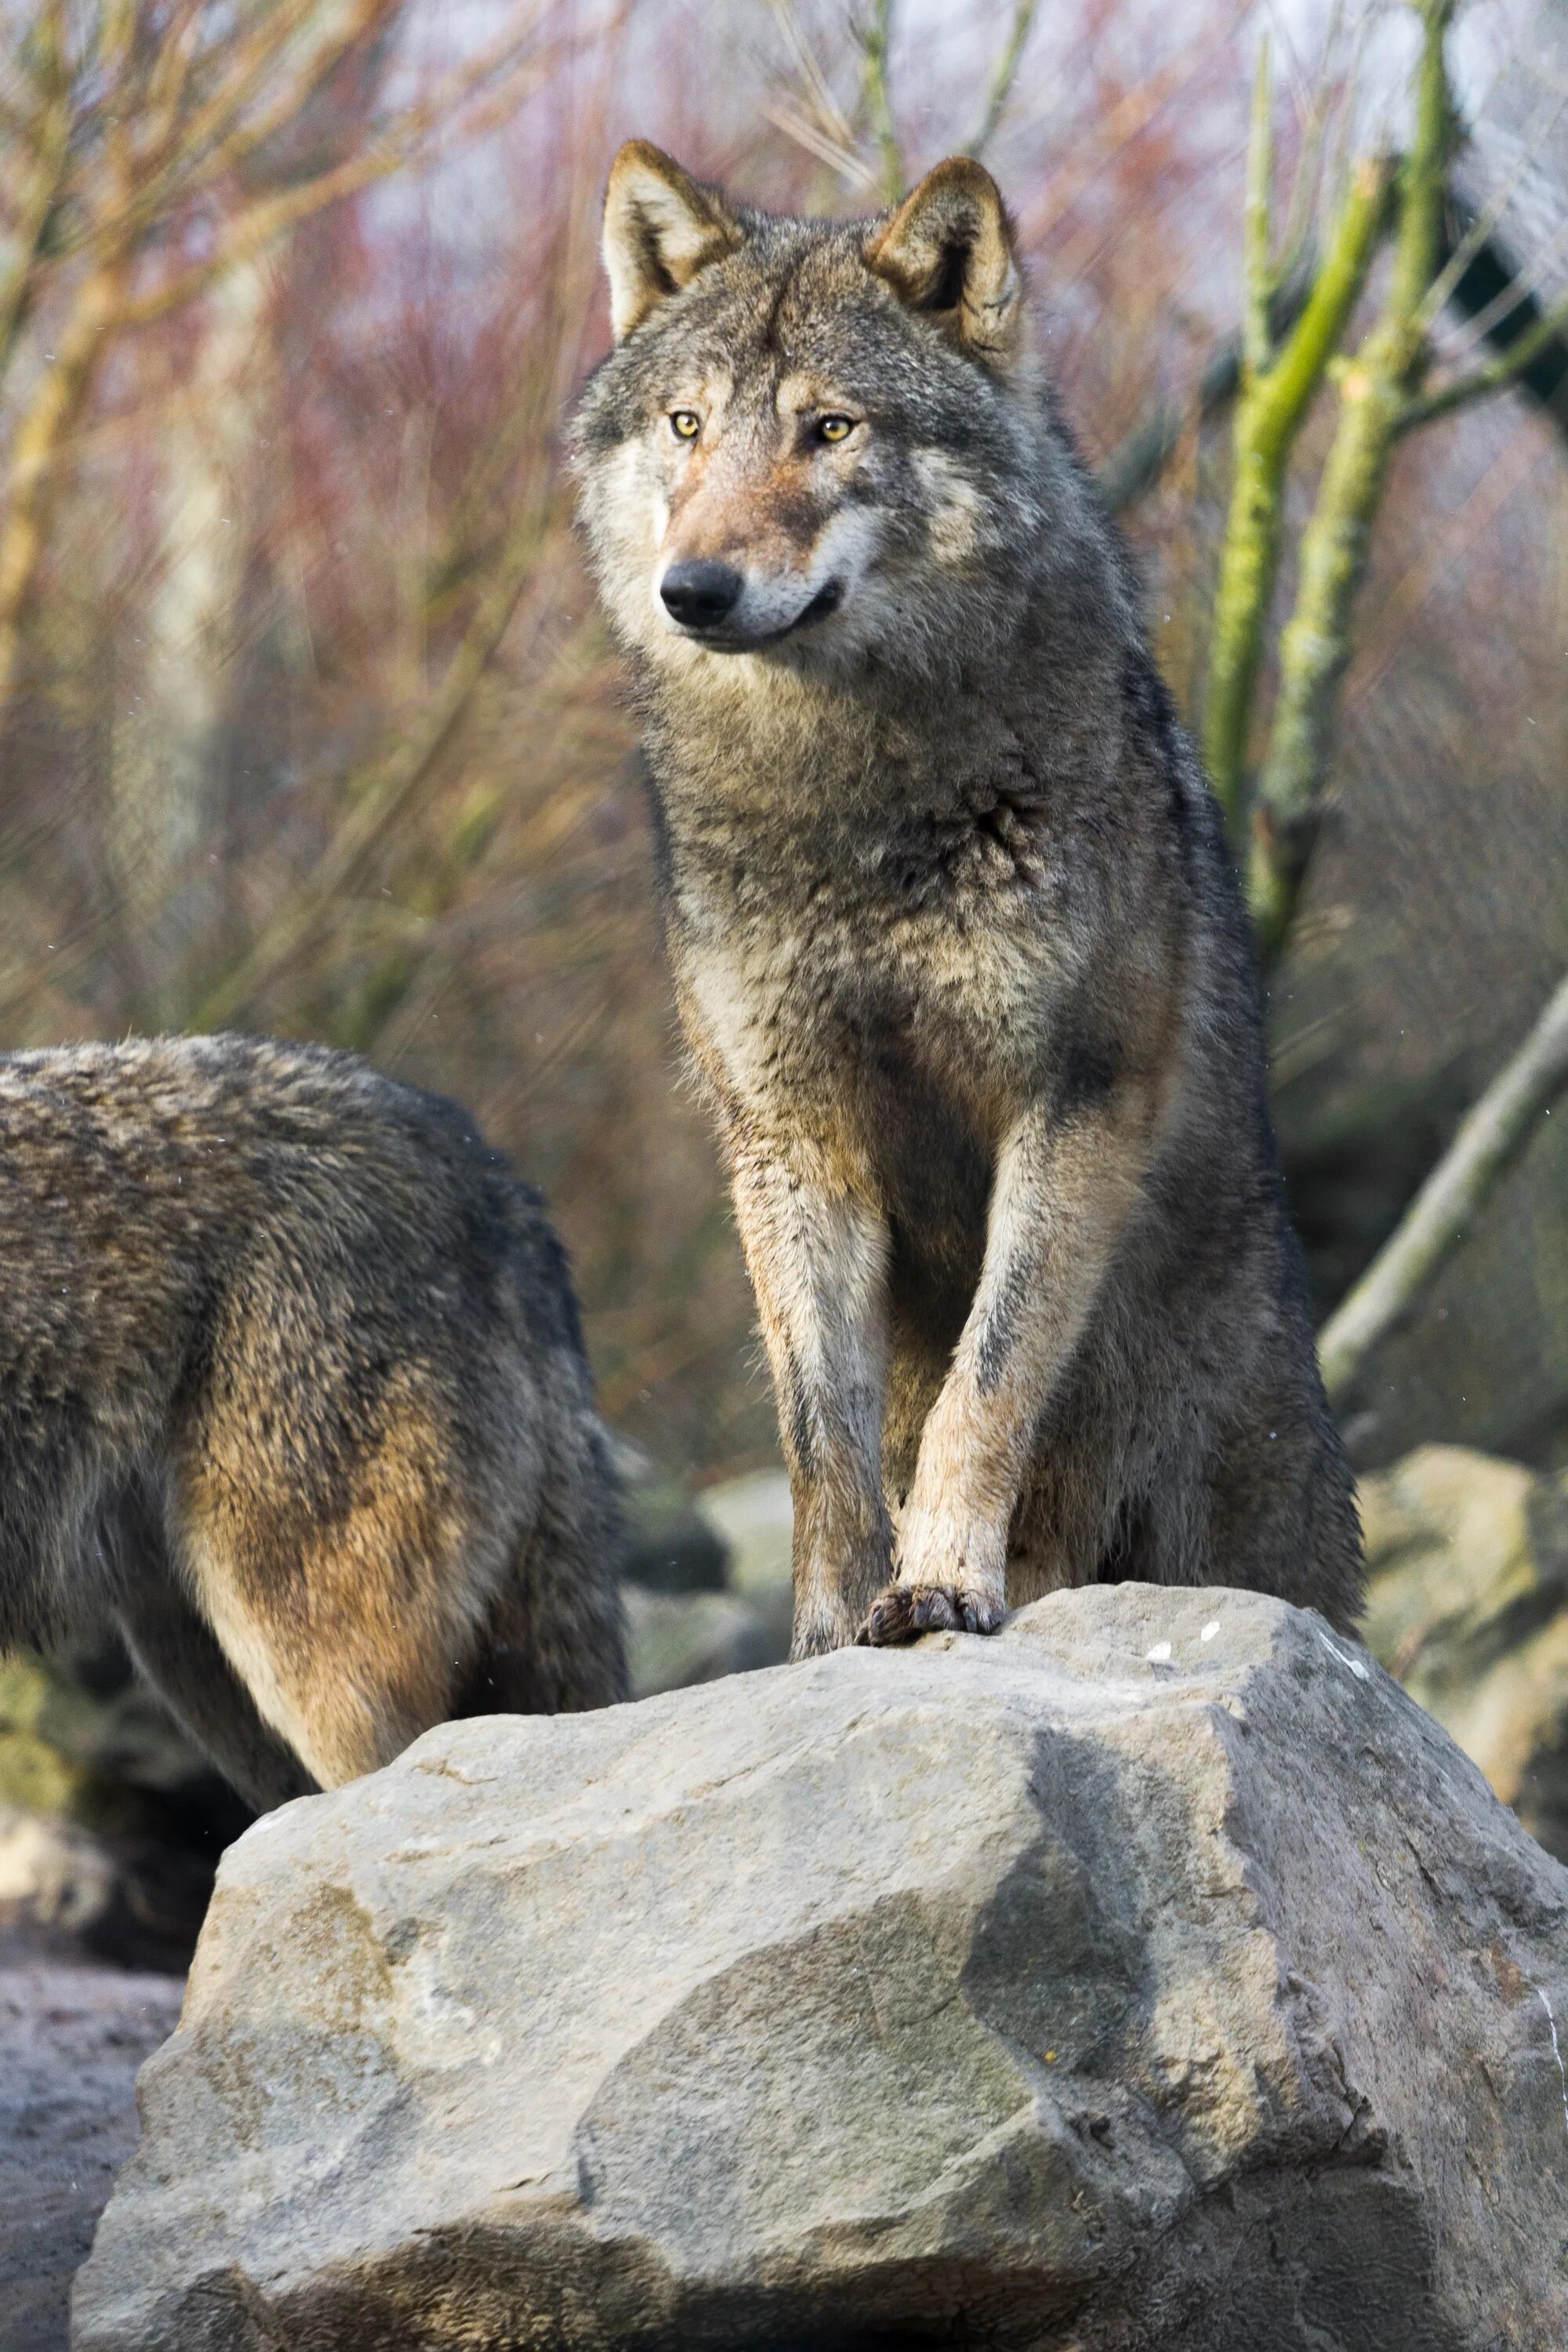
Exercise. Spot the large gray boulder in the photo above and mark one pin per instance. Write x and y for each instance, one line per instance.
(1153, 1974)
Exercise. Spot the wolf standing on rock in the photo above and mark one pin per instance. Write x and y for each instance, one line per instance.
(957, 946)
(293, 1391)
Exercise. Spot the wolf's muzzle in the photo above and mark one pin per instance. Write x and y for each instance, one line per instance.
(700, 594)
(707, 601)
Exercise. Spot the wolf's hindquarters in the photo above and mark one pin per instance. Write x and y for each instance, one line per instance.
(293, 1389)
(434, 1557)
(353, 1632)
(177, 1653)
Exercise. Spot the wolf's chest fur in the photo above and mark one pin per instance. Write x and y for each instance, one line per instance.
(877, 987)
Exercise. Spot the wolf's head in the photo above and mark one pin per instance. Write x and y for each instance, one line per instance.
(812, 440)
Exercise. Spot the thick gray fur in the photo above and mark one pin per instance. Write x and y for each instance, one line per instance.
(958, 948)
(292, 1390)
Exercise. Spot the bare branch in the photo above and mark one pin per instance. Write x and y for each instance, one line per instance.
(1482, 382)
(1003, 79)
(797, 125)
(1493, 1136)
(386, 791)
(821, 104)
(875, 96)
(1477, 234)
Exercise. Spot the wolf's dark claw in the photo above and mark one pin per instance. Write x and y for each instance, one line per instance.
(906, 1611)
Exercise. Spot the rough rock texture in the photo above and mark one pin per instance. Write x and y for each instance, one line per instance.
(72, 2038)
(1153, 1974)
(1468, 1606)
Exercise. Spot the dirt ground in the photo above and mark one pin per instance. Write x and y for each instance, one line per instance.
(72, 2036)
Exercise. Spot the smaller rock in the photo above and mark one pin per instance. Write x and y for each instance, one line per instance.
(68, 1893)
(677, 1638)
(670, 1546)
(755, 1520)
(684, 1623)
(1468, 1606)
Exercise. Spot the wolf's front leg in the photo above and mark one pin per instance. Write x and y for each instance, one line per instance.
(817, 1260)
(1064, 1189)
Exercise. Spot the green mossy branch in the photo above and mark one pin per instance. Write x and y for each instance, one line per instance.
(1375, 389)
(876, 101)
(1270, 412)
(1004, 76)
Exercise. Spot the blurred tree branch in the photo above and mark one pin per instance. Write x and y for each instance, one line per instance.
(876, 37)
(1381, 400)
(1003, 79)
(381, 793)
(1384, 394)
(134, 143)
(1491, 290)
(1491, 1138)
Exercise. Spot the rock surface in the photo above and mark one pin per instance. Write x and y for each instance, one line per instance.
(1468, 1606)
(72, 2038)
(1153, 1974)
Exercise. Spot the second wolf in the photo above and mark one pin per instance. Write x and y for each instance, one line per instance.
(957, 946)
(292, 1392)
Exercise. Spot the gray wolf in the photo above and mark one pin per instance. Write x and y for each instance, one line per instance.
(957, 947)
(293, 1391)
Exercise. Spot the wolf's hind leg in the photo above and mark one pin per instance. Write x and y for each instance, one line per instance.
(180, 1658)
(349, 1630)
(554, 1641)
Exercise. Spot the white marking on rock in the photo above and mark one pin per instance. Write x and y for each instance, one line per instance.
(1160, 1655)
(1210, 1630)
(1356, 1664)
(1556, 2053)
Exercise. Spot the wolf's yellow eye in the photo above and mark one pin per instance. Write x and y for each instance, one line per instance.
(837, 428)
(685, 423)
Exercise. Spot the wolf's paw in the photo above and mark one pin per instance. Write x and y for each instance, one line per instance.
(903, 1610)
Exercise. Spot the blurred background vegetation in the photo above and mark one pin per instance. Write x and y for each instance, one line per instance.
(307, 723)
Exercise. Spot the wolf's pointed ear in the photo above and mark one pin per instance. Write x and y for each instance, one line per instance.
(660, 229)
(948, 251)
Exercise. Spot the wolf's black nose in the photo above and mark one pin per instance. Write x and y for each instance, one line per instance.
(700, 594)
